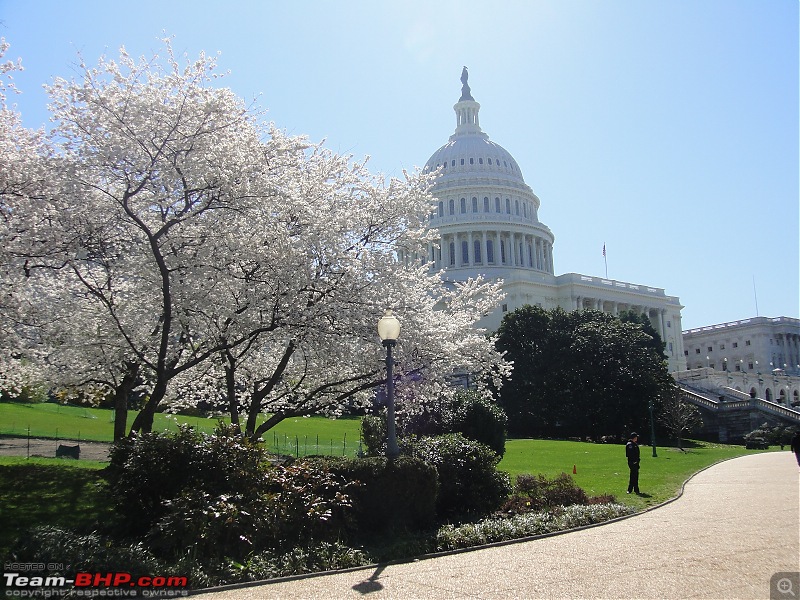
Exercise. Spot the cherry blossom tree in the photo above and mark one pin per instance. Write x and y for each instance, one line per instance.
(23, 177)
(211, 256)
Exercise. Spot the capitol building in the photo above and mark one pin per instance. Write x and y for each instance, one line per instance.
(488, 223)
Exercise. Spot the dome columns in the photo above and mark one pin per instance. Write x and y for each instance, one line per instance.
(492, 247)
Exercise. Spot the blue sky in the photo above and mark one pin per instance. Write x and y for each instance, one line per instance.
(665, 129)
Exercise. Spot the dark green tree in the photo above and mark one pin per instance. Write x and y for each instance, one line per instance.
(631, 316)
(581, 373)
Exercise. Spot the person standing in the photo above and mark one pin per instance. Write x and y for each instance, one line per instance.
(632, 452)
(796, 445)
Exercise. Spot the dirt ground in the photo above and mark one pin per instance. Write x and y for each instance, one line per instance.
(47, 448)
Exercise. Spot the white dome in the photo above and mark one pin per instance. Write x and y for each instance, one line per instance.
(470, 157)
(473, 154)
(485, 213)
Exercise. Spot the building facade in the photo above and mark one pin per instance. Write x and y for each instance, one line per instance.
(760, 345)
(488, 223)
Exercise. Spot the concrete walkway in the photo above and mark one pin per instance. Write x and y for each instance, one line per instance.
(736, 525)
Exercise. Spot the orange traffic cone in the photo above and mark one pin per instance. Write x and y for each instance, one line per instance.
(574, 469)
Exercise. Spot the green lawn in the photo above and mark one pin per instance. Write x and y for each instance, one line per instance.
(48, 492)
(603, 469)
(64, 492)
(313, 435)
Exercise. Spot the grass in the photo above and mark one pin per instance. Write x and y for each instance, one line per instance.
(603, 469)
(38, 492)
(61, 492)
(312, 435)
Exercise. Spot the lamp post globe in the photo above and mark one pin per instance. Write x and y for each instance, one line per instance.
(389, 331)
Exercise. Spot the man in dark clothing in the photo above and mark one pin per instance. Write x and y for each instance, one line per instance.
(796, 445)
(632, 452)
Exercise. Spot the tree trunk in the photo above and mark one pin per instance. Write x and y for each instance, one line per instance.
(143, 422)
(121, 393)
(270, 423)
(230, 384)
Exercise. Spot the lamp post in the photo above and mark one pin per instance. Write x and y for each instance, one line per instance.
(652, 428)
(389, 331)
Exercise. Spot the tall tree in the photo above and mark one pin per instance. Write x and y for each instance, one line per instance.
(209, 254)
(580, 373)
(679, 415)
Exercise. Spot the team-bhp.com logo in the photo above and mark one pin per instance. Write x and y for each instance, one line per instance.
(116, 584)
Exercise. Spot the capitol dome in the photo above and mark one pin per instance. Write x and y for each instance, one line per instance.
(487, 223)
(486, 214)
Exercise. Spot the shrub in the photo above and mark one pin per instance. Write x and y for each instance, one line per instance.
(468, 413)
(469, 483)
(537, 492)
(83, 552)
(488, 531)
(479, 419)
(373, 434)
(146, 471)
(387, 495)
(216, 496)
(307, 503)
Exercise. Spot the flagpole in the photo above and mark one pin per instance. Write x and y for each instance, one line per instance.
(605, 259)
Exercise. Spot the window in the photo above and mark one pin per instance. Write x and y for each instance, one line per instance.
(508, 206)
(480, 161)
(441, 209)
(489, 251)
(452, 254)
(735, 344)
(505, 307)
(462, 162)
(486, 204)
(525, 210)
(474, 204)
(737, 368)
(747, 342)
(452, 206)
(453, 164)
(472, 161)
(489, 160)
(464, 252)
(516, 203)
(750, 365)
(697, 350)
(463, 206)
(476, 251)
(502, 251)
(722, 346)
(669, 324)
(686, 353)
(710, 349)
(497, 205)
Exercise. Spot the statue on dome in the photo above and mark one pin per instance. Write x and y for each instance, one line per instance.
(465, 91)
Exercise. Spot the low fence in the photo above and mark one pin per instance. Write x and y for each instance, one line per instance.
(279, 443)
(297, 446)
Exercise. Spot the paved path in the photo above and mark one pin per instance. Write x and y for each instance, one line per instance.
(736, 525)
(46, 447)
